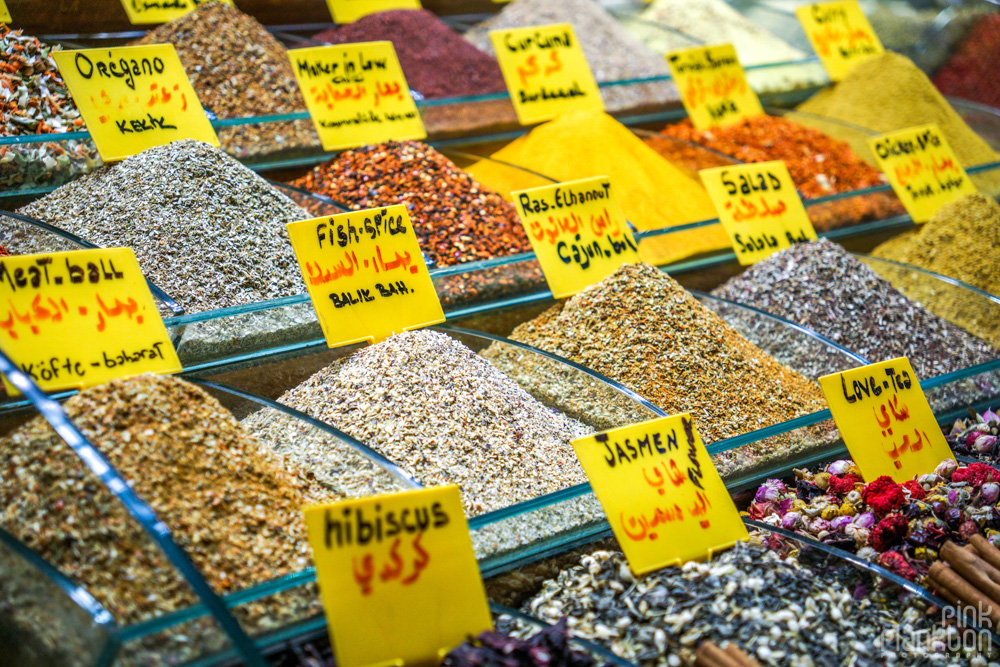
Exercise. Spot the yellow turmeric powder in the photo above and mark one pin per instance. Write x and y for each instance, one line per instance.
(653, 192)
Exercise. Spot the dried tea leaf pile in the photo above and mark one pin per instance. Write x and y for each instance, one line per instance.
(230, 503)
(239, 69)
(455, 217)
(429, 404)
(207, 230)
(780, 611)
(641, 328)
(821, 286)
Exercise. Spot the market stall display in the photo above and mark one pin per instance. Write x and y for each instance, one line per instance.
(265, 420)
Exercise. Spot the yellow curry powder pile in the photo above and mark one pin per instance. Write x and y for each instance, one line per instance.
(653, 192)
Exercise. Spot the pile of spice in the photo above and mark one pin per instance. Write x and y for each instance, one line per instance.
(234, 507)
(207, 230)
(942, 245)
(970, 72)
(435, 59)
(653, 193)
(456, 219)
(546, 648)
(946, 243)
(823, 287)
(819, 164)
(887, 93)
(34, 100)
(639, 327)
(713, 22)
(977, 436)
(239, 70)
(612, 53)
(779, 611)
(898, 526)
(432, 406)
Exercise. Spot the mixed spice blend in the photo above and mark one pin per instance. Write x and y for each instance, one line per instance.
(970, 72)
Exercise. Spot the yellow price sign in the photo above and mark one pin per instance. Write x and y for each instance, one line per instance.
(348, 11)
(840, 34)
(663, 497)
(356, 94)
(142, 12)
(397, 577)
(133, 98)
(365, 274)
(578, 232)
(713, 85)
(5, 16)
(885, 420)
(758, 207)
(922, 169)
(545, 71)
(77, 319)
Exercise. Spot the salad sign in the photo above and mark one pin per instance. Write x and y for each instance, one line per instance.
(348, 11)
(663, 497)
(841, 35)
(759, 208)
(356, 94)
(545, 71)
(397, 576)
(142, 12)
(77, 319)
(365, 274)
(133, 98)
(885, 420)
(578, 232)
(713, 85)
(923, 170)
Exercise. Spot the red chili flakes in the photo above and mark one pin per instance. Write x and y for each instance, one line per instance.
(971, 72)
(819, 164)
(456, 219)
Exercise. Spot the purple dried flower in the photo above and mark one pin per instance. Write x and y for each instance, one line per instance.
(790, 520)
(989, 493)
(839, 523)
(769, 491)
(985, 443)
(864, 520)
(990, 416)
(839, 467)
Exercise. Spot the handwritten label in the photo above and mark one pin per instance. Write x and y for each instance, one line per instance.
(348, 11)
(841, 35)
(545, 71)
(133, 98)
(923, 170)
(663, 497)
(885, 420)
(713, 85)
(142, 12)
(397, 576)
(365, 274)
(356, 94)
(4, 13)
(78, 319)
(578, 232)
(758, 207)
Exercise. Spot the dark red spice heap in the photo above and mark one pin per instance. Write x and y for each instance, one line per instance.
(971, 72)
(457, 220)
(436, 60)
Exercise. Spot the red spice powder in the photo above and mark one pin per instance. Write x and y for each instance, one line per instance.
(971, 71)
(819, 164)
(456, 219)
(436, 60)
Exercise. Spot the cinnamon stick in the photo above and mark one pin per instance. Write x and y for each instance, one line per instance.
(944, 578)
(987, 551)
(710, 655)
(990, 571)
(741, 655)
(971, 569)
